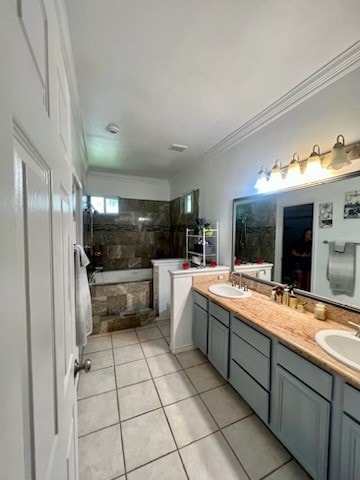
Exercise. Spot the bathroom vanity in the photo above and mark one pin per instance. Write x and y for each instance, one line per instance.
(268, 353)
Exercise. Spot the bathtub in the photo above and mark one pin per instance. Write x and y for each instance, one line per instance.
(122, 276)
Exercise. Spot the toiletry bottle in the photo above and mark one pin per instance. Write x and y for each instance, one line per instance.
(293, 301)
(286, 294)
(320, 311)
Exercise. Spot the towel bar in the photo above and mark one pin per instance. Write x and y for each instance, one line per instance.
(355, 243)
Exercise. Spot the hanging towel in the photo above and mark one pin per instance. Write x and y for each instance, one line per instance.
(83, 313)
(341, 267)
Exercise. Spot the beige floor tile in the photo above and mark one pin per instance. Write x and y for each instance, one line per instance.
(174, 387)
(165, 468)
(100, 455)
(163, 364)
(128, 353)
(144, 327)
(100, 381)
(155, 347)
(96, 343)
(130, 373)
(168, 340)
(163, 321)
(225, 405)
(205, 377)
(138, 399)
(149, 334)
(146, 438)
(100, 360)
(211, 459)
(189, 420)
(191, 358)
(125, 337)
(260, 456)
(290, 471)
(97, 412)
(165, 330)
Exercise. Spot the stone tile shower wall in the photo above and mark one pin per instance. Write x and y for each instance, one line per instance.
(256, 237)
(121, 305)
(179, 222)
(131, 239)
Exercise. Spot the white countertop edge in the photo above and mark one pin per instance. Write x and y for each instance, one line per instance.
(200, 271)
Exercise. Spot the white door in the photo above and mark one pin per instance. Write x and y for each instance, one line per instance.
(45, 237)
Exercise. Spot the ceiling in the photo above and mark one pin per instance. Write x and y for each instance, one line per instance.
(191, 72)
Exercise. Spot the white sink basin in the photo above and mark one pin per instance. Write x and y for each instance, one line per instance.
(342, 345)
(225, 290)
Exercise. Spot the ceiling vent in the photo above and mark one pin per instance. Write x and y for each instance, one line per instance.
(178, 148)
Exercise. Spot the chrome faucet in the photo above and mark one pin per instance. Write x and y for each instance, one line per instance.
(236, 279)
(357, 334)
(92, 274)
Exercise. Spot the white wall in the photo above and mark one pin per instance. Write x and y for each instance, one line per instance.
(125, 186)
(233, 173)
(342, 230)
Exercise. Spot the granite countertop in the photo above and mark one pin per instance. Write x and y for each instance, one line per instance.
(295, 329)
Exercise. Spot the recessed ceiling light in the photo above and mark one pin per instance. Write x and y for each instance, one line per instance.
(113, 128)
(178, 148)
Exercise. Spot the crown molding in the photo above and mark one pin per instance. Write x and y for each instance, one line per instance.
(337, 68)
(116, 177)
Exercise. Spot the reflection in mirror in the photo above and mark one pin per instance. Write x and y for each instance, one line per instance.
(271, 227)
(255, 230)
(297, 246)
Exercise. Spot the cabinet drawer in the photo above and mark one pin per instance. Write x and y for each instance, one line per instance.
(310, 374)
(200, 300)
(251, 391)
(258, 340)
(251, 360)
(220, 313)
(352, 402)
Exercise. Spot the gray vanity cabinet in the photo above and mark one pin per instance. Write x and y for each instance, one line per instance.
(301, 410)
(250, 366)
(350, 438)
(218, 340)
(200, 322)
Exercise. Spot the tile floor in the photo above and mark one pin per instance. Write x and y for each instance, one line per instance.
(146, 414)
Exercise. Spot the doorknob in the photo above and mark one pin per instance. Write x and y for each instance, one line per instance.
(86, 366)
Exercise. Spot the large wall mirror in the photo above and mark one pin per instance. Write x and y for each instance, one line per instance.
(298, 230)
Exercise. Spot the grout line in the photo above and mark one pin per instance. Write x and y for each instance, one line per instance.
(167, 420)
(98, 430)
(276, 469)
(152, 461)
(237, 458)
(118, 406)
(95, 394)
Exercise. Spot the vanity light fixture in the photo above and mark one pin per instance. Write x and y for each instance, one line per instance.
(275, 177)
(262, 180)
(338, 156)
(314, 169)
(293, 175)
